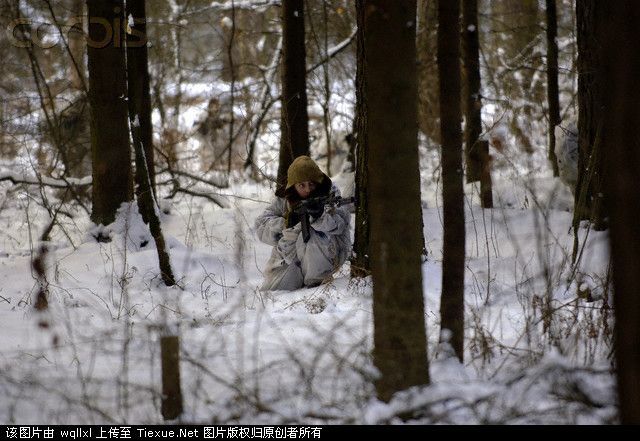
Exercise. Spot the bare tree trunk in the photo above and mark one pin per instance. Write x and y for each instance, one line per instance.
(360, 262)
(146, 202)
(140, 96)
(171, 390)
(486, 188)
(472, 99)
(452, 300)
(552, 81)
(232, 94)
(111, 152)
(394, 181)
(140, 109)
(327, 87)
(589, 201)
(428, 87)
(294, 139)
(621, 64)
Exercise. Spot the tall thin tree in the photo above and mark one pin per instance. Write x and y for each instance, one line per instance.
(110, 149)
(452, 300)
(471, 84)
(428, 87)
(620, 139)
(139, 110)
(589, 201)
(140, 97)
(294, 138)
(390, 82)
(360, 262)
(553, 99)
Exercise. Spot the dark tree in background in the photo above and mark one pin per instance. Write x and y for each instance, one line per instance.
(140, 101)
(552, 81)
(589, 188)
(360, 262)
(428, 86)
(472, 99)
(390, 93)
(110, 149)
(452, 300)
(294, 139)
(621, 142)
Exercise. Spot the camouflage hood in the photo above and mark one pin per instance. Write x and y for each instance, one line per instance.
(304, 169)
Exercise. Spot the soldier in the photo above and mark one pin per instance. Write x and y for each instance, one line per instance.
(298, 261)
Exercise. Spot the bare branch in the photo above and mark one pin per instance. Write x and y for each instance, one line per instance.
(217, 182)
(18, 178)
(335, 50)
(221, 202)
(255, 5)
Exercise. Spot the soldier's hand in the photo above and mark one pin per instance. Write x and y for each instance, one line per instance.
(299, 208)
(291, 234)
(315, 209)
(312, 207)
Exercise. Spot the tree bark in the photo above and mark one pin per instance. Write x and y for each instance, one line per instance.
(294, 139)
(486, 187)
(428, 87)
(390, 87)
(139, 105)
(472, 98)
(139, 86)
(110, 149)
(452, 300)
(171, 389)
(360, 262)
(621, 65)
(589, 200)
(553, 100)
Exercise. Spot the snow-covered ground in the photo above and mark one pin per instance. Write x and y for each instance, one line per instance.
(536, 351)
(538, 331)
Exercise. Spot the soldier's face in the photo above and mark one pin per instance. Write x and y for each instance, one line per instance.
(304, 189)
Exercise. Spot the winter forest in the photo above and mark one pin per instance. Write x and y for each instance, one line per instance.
(490, 149)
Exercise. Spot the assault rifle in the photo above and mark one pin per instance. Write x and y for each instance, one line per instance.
(315, 207)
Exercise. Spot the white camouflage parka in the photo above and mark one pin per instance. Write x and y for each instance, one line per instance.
(294, 263)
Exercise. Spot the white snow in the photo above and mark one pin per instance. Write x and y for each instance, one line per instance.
(303, 353)
(226, 22)
(304, 356)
